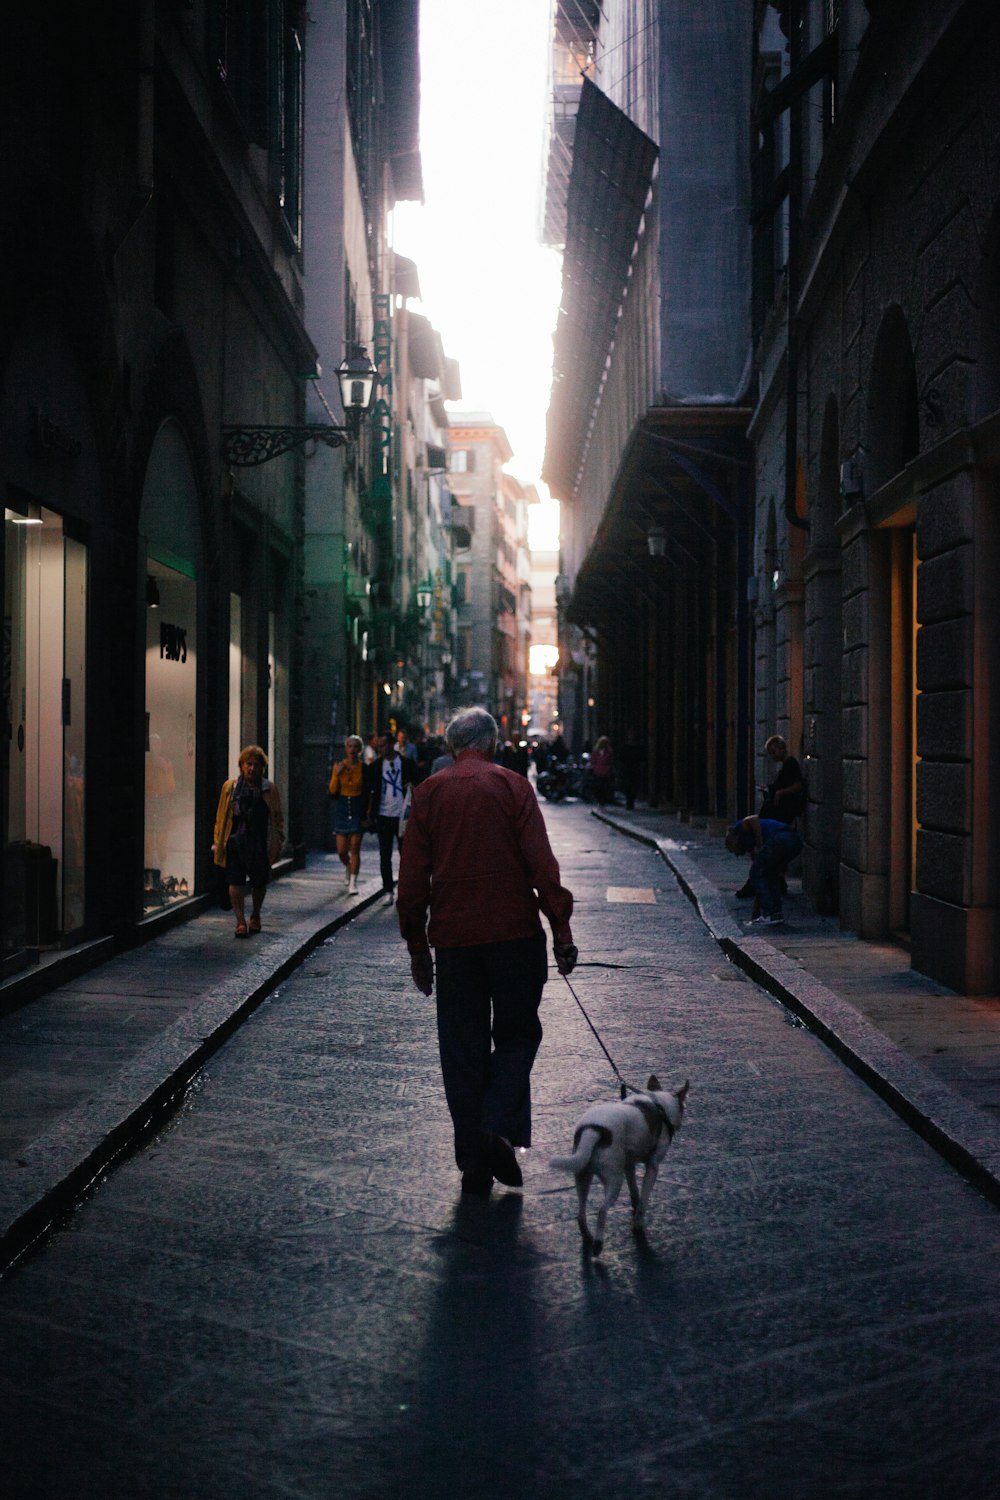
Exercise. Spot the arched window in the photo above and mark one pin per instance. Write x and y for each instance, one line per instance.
(893, 435)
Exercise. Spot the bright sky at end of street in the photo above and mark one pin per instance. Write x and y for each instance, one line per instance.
(488, 286)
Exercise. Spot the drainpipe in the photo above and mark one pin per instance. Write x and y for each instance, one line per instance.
(793, 276)
(144, 130)
(144, 102)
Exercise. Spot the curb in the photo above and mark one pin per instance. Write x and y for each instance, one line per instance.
(962, 1134)
(52, 1174)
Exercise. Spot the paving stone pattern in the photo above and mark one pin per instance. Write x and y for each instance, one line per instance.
(285, 1295)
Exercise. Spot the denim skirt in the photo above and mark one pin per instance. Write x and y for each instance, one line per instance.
(347, 815)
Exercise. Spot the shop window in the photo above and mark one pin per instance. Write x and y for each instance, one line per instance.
(171, 701)
(44, 681)
(169, 520)
(235, 681)
(278, 654)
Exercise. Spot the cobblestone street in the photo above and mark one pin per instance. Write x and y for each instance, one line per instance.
(285, 1295)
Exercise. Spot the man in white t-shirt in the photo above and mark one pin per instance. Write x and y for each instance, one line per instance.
(391, 777)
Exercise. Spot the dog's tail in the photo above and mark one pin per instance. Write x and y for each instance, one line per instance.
(585, 1143)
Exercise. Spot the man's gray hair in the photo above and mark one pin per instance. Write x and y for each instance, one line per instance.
(471, 729)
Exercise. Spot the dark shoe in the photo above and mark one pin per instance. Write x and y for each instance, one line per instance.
(745, 891)
(503, 1162)
(477, 1180)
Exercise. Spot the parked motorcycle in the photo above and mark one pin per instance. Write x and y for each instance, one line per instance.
(554, 781)
(566, 778)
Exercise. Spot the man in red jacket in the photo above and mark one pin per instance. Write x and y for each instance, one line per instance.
(477, 857)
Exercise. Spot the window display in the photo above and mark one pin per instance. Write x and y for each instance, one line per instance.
(169, 522)
(171, 685)
(45, 611)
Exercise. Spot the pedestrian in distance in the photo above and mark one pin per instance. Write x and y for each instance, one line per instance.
(347, 790)
(403, 744)
(478, 862)
(630, 764)
(602, 771)
(443, 760)
(249, 835)
(390, 778)
(773, 845)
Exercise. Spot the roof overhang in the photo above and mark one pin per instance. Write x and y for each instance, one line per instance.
(685, 470)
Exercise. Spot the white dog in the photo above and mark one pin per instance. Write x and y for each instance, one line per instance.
(611, 1140)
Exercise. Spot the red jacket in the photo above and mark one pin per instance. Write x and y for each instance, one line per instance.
(475, 853)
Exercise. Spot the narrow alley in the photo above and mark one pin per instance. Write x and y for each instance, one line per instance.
(285, 1295)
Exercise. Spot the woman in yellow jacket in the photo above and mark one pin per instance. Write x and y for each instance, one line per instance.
(249, 834)
(347, 789)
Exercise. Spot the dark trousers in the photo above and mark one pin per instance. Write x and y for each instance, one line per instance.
(388, 831)
(487, 994)
(770, 862)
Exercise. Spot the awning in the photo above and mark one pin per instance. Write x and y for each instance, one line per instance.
(405, 277)
(452, 387)
(613, 162)
(401, 78)
(426, 354)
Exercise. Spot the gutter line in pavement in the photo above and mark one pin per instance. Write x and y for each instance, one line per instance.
(966, 1137)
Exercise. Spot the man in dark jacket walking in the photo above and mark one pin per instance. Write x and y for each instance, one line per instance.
(477, 858)
(389, 779)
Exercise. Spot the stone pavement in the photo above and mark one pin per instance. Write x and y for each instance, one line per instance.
(85, 1068)
(283, 1296)
(932, 1054)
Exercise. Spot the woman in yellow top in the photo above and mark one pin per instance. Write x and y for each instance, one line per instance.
(346, 788)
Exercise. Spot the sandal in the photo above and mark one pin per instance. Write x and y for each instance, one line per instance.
(241, 930)
(255, 924)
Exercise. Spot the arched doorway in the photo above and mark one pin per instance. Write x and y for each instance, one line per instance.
(893, 438)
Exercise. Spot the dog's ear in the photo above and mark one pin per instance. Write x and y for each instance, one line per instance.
(682, 1093)
(653, 1085)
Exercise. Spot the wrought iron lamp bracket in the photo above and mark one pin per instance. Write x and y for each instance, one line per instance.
(245, 447)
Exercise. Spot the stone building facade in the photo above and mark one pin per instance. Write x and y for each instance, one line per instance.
(165, 558)
(152, 314)
(876, 431)
(647, 194)
(492, 591)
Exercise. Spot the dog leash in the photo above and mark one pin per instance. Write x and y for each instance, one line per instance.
(626, 1088)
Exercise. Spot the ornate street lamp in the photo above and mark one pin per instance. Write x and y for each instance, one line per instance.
(357, 377)
(245, 447)
(425, 592)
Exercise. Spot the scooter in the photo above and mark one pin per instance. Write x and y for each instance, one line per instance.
(554, 781)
